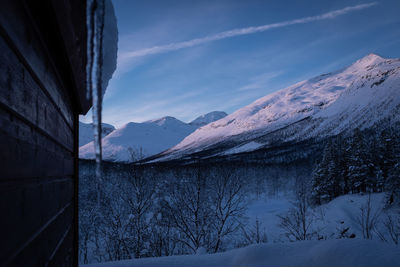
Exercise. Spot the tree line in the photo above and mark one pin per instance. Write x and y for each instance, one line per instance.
(365, 162)
(187, 211)
(148, 212)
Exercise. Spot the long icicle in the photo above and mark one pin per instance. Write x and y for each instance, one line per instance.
(96, 9)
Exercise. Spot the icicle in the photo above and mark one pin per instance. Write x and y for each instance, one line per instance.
(95, 25)
(89, 52)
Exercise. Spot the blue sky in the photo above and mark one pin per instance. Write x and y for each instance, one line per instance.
(187, 58)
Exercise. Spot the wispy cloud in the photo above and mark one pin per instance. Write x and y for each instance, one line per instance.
(126, 56)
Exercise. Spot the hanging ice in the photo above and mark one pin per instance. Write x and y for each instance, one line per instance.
(102, 38)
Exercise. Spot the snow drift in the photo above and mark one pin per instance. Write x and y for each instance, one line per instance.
(333, 253)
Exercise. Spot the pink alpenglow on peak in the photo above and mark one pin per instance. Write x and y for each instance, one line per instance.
(330, 103)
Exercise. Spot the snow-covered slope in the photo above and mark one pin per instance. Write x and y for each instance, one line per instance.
(207, 118)
(328, 253)
(86, 132)
(134, 141)
(357, 96)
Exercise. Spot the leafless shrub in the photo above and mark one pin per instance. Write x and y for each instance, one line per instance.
(298, 221)
(228, 204)
(189, 211)
(392, 229)
(255, 234)
(368, 218)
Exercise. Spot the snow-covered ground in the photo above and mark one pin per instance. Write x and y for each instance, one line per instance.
(266, 211)
(325, 253)
(328, 220)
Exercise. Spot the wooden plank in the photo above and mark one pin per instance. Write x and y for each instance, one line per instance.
(22, 160)
(75, 240)
(28, 153)
(38, 250)
(19, 92)
(71, 15)
(40, 71)
(19, 31)
(36, 202)
(64, 254)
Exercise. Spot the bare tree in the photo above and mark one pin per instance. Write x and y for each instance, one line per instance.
(297, 222)
(136, 154)
(392, 227)
(368, 218)
(228, 203)
(163, 235)
(91, 219)
(255, 234)
(86, 231)
(115, 229)
(188, 208)
(138, 195)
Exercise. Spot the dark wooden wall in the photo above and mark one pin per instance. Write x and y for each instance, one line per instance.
(42, 56)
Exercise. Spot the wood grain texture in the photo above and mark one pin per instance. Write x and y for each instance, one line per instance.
(23, 95)
(42, 79)
(20, 32)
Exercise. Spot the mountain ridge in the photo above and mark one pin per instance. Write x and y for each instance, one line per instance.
(134, 141)
(207, 118)
(334, 102)
(86, 132)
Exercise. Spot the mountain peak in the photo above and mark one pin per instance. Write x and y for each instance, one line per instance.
(86, 132)
(369, 60)
(321, 106)
(165, 118)
(372, 56)
(208, 118)
(145, 139)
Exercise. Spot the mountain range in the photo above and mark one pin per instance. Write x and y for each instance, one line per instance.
(134, 141)
(358, 96)
(86, 132)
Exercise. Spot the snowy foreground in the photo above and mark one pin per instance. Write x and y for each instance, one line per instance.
(328, 218)
(306, 253)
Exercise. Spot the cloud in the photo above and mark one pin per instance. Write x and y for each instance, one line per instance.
(127, 56)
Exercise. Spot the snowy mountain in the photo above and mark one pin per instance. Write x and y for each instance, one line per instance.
(134, 141)
(86, 132)
(207, 118)
(357, 96)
